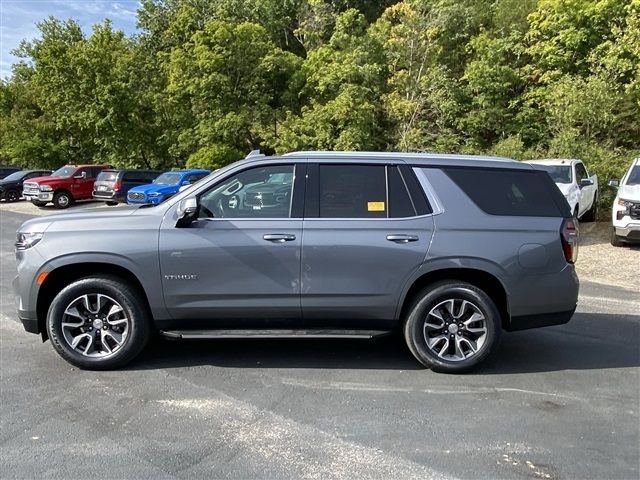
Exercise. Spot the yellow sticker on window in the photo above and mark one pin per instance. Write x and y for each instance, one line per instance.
(375, 206)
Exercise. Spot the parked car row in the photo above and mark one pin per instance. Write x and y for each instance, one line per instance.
(73, 183)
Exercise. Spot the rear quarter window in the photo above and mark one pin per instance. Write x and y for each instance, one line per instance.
(508, 192)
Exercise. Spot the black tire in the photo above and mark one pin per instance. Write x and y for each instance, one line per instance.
(590, 215)
(62, 200)
(38, 203)
(438, 293)
(12, 195)
(132, 308)
(615, 239)
(111, 204)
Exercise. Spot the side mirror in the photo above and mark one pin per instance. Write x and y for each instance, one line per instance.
(614, 182)
(184, 187)
(187, 212)
(81, 176)
(586, 182)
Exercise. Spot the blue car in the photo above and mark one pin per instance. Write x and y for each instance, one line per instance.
(164, 186)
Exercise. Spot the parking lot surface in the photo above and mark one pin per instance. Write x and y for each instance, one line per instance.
(560, 402)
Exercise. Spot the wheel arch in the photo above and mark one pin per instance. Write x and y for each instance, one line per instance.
(63, 275)
(484, 280)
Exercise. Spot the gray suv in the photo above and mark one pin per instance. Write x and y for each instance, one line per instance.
(450, 249)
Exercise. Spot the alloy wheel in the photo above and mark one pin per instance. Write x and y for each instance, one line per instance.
(455, 329)
(95, 325)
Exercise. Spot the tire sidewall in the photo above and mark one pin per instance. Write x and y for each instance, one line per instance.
(138, 329)
(56, 200)
(8, 193)
(414, 326)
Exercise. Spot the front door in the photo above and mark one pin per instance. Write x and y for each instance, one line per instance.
(239, 263)
(364, 234)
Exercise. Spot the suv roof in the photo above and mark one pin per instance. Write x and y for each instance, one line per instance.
(427, 159)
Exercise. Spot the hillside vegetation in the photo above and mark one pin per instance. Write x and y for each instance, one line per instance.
(205, 81)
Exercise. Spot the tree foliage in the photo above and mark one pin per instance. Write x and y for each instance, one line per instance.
(204, 81)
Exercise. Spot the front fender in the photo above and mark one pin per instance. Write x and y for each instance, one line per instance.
(148, 275)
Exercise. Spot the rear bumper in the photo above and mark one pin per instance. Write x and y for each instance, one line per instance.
(109, 196)
(526, 322)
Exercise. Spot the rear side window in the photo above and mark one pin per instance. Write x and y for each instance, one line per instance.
(353, 191)
(364, 191)
(508, 192)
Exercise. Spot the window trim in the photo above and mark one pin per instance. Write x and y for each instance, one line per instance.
(297, 200)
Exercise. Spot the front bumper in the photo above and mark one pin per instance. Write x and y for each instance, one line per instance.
(630, 231)
(27, 316)
(39, 197)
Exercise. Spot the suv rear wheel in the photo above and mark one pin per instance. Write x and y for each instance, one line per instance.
(98, 323)
(452, 326)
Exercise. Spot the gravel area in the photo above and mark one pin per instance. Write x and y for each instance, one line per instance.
(598, 261)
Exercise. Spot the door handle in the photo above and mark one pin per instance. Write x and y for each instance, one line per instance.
(402, 238)
(278, 237)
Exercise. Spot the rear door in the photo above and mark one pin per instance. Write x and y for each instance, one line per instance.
(364, 234)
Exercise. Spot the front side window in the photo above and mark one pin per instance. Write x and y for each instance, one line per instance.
(259, 192)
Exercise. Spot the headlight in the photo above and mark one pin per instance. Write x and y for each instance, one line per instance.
(624, 203)
(27, 240)
(154, 194)
(45, 188)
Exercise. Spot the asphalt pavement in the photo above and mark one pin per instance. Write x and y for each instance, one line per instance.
(560, 402)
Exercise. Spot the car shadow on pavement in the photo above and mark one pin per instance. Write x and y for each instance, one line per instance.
(589, 342)
(384, 353)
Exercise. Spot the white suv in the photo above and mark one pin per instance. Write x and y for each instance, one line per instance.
(626, 207)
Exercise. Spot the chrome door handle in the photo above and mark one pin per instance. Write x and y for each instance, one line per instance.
(278, 237)
(402, 238)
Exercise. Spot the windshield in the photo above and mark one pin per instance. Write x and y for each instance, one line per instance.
(559, 173)
(634, 176)
(15, 176)
(168, 179)
(64, 172)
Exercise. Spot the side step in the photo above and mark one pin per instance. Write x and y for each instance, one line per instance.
(273, 333)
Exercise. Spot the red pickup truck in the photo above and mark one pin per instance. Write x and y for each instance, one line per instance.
(64, 186)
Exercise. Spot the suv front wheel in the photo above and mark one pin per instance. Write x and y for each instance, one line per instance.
(98, 323)
(62, 199)
(452, 326)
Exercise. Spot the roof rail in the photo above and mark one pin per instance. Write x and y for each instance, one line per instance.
(255, 154)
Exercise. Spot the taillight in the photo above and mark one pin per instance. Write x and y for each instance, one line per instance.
(116, 186)
(569, 238)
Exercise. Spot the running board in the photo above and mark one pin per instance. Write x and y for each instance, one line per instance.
(273, 333)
